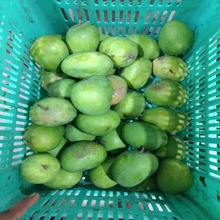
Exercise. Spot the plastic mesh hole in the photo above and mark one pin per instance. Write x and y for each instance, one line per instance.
(172, 13)
(141, 205)
(64, 13)
(147, 18)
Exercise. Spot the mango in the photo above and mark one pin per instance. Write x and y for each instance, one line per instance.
(48, 77)
(131, 106)
(147, 46)
(104, 36)
(174, 176)
(82, 37)
(49, 52)
(170, 67)
(39, 168)
(61, 88)
(85, 64)
(74, 134)
(166, 93)
(167, 119)
(56, 152)
(132, 167)
(64, 180)
(93, 95)
(175, 148)
(137, 74)
(52, 111)
(113, 140)
(42, 138)
(82, 155)
(140, 134)
(149, 183)
(119, 86)
(98, 125)
(99, 175)
(122, 51)
(175, 38)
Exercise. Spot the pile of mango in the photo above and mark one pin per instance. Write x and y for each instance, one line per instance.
(112, 110)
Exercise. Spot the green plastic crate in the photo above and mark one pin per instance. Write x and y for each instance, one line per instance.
(21, 22)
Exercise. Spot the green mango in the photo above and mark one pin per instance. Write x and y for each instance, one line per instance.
(52, 111)
(175, 38)
(147, 46)
(104, 36)
(74, 134)
(175, 148)
(140, 134)
(169, 120)
(82, 156)
(119, 88)
(49, 52)
(85, 64)
(48, 77)
(137, 74)
(122, 51)
(39, 168)
(82, 37)
(112, 141)
(99, 175)
(42, 138)
(166, 93)
(61, 88)
(174, 176)
(64, 180)
(170, 67)
(98, 125)
(93, 95)
(131, 106)
(148, 184)
(57, 151)
(132, 167)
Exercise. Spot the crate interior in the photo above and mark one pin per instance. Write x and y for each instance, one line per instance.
(23, 21)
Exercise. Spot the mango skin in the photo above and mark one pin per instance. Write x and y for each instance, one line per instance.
(119, 88)
(61, 88)
(140, 134)
(43, 138)
(39, 168)
(175, 38)
(85, 64)
(122, 51)
(56, 152)
(48, 77)
(112, 141)
(175, 148)
(82, 37)
(100, 175)
(167, 119)
(131, 106)
(92, 95)
(170, 67)
(166, 93)
(82, 155)
(98, 125)
(52, 111)
(64, 180)
(132, 167)
(147, 46)
(137, 74)
(73, 134)
(49, 52)
(149, 183)
(174, 176)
